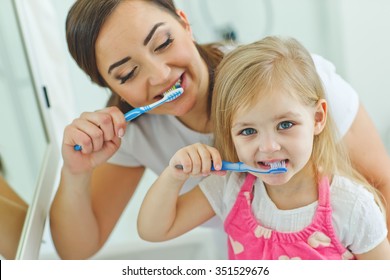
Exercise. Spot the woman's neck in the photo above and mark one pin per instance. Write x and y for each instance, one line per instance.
(197, 118)
(198, 122)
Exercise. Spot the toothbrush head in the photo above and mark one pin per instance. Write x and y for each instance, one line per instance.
(173, 93)
(278, 170)
(278, 167)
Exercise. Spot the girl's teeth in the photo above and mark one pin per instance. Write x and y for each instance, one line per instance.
(276, 164)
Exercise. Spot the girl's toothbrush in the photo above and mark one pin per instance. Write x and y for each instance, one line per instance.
(173, 93)
(276, 168)
(170, 95)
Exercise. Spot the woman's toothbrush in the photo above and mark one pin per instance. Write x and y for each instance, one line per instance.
(173, 93)
(170, 95)
(276, 168)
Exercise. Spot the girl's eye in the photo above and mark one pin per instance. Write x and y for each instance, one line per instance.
(128, 76)
(165, 44)
(248, 131)
(285, 125)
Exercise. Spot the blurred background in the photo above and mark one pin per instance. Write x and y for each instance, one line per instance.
(349, 33)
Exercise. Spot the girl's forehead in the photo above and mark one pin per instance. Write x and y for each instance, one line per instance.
(269, 103)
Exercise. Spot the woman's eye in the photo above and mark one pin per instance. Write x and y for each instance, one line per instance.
(128, 76)
(285, 125)
(248, 131)
(165, 44)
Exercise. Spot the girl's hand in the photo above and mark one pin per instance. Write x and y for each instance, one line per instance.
(195, 160)
(98, 133)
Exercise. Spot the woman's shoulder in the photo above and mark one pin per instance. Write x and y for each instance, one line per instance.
(322, 64)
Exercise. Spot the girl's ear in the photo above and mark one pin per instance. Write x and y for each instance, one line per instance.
(320, 116)
(185, 21)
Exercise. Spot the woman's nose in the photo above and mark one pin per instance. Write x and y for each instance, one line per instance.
(268, 144)
(159, 72)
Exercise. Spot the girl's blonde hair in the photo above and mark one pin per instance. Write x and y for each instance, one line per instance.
(267, 66)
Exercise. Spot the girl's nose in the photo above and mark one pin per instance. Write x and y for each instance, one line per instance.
(158, 72)
(268, 144)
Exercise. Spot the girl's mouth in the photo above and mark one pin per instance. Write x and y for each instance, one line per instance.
(272, 164)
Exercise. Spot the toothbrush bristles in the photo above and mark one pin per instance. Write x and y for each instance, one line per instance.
(173, 93)
(279, 164)
(278, 167)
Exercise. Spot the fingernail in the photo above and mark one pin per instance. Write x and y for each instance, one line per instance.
(121, 132)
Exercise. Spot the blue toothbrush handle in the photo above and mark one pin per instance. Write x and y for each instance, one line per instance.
(241, 167)
(131, 115)
(229, 166)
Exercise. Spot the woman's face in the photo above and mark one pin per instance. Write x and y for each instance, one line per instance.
(142, 51)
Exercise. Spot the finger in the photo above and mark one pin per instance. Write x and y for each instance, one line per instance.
(205, 155)
(215, 157)
(118, 119)
(196, 162)
(103, 120)
(182, 161)
(93, 131)
(74, 136)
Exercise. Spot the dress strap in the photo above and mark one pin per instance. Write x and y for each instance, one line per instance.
(323, 191)
(248, 183)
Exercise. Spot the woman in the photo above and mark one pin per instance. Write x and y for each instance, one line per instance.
(140, 49)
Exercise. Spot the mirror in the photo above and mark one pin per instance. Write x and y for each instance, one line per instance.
(28, 155)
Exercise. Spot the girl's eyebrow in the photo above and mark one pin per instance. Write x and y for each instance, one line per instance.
(152, 31)
(240, 124)
(289, 114)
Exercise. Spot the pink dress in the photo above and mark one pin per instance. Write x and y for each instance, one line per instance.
(249, 240)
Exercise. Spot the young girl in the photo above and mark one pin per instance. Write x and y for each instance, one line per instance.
(268, 107)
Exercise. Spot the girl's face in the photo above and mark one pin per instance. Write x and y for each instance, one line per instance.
(278, 128)
(142, 51)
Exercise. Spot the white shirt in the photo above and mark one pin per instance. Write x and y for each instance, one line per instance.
(357, 219)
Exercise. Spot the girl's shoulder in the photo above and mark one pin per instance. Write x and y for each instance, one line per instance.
(354, 210)
(343, 188)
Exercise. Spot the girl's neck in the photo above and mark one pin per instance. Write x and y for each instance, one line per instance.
(301, 190)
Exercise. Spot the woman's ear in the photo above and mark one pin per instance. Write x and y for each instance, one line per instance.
(185, 21)
(320, 116)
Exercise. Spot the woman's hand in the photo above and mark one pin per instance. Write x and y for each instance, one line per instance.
(98, 133)
(195, 160)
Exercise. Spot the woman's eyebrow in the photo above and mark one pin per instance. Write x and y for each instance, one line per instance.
(118, 63)
(150, 35)
(146, 41)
